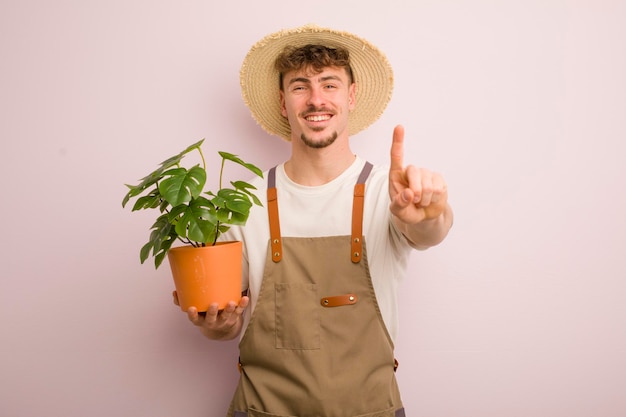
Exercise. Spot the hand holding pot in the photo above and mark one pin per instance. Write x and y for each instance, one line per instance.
(218, 324)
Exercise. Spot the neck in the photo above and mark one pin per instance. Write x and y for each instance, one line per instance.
(313, 167)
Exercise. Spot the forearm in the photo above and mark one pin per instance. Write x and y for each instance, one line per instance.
(429, 232)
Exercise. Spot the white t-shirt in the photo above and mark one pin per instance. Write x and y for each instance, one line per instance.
(327, 211)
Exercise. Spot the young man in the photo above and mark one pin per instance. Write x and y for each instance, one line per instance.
(323, 257)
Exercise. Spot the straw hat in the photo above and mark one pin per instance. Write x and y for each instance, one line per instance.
(259, 79)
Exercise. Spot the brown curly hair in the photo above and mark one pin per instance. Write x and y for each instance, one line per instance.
(317, 57)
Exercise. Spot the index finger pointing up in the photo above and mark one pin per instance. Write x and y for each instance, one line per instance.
(397, 148)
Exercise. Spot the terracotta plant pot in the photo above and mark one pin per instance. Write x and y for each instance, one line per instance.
(210, 274)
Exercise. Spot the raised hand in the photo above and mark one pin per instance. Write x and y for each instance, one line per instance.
(417, 194)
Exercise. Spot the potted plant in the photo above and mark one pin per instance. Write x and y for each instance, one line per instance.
(204, 270)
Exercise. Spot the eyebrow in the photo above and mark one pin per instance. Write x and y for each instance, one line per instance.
(308, 80)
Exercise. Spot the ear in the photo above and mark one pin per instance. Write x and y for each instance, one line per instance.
(283, 109)
(352, 97)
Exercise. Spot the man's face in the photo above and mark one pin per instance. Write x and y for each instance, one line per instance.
(317, 105)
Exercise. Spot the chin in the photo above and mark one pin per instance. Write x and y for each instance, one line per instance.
(319, 142)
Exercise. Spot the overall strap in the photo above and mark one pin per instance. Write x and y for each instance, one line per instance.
(272, 208)
(357, 214)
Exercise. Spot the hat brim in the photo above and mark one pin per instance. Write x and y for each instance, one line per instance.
(259, 79)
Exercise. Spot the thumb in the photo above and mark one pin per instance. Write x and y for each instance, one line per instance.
(401, 201)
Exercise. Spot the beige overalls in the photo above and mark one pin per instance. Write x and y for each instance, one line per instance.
(316, 345)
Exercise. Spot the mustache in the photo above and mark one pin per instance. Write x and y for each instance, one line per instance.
(313, 109)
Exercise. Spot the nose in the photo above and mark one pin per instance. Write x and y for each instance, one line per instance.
(316, 97)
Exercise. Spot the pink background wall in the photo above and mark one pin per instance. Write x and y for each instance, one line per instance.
(521, 104)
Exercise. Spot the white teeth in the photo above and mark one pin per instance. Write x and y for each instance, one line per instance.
(318, 118)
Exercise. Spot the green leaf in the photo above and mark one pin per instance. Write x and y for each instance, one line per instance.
(237, 160)
(157, 174)
(176, 212)
(232, 218)
(181, 185)
(245, 187)
(161, 239)
(145, 251)
(235, 206)
(223, 228)
(198, 221)
(217, 201)
(165, 247)
(235, 200)
(152, 200)
(175, 160)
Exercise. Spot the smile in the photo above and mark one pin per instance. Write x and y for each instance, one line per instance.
(318, 118)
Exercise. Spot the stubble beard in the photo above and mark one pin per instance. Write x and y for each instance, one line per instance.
(319, 144)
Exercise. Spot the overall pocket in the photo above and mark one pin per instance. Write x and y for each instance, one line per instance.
(297, 316)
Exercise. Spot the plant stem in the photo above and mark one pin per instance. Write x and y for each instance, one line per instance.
(222, 171)
(204, 167)
(188, 242)
(202, 156)
(217, 225)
